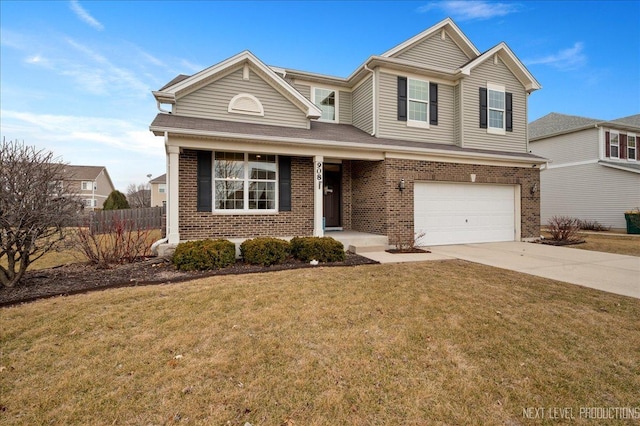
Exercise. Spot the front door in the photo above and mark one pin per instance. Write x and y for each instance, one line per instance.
(332, 194)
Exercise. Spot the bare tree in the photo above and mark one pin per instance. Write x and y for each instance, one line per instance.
(138, 195)
(35, 207)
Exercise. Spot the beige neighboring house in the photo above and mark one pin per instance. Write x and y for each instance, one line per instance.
(92, 184)
(428, 137)
(159, 191)
(594, 167)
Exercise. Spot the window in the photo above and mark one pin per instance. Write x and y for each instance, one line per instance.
(614, 150)
(496, 98)
(325, 99)
(418, 102)
(496, 109)
(162, 188)
(244, 181)
(89, 202)
(87, 185)
(631, 147)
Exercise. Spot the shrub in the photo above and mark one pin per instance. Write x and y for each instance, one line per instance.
(119, 241)
(563, 228)
(264, 251)
(592, 225)
(322, 249)
(115, 201)
(204, 254)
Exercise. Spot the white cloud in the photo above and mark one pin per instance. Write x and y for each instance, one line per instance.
(127, 149)
(469, 10)
(566, 59)
(84, 15)
(191, 66)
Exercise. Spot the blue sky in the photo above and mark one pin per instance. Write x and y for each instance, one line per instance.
(76, 76)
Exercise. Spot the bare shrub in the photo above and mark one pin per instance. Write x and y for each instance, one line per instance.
(592, 225)
(119, 242)
(563, 228)
(407, 242)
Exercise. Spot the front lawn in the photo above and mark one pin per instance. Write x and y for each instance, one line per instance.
(447, 342)
(607, 242)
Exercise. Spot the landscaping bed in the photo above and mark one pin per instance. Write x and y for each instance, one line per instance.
(74, 278)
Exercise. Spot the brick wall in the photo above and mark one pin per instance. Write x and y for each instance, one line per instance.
(346, 195)
(198, 225)
(368, 195)
(400, 204)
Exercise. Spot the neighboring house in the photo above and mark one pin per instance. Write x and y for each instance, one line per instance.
(92, 184)
(430, 136)
(158, 191)
(594, 168)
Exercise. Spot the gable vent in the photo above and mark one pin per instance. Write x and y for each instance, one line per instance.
(245, 103)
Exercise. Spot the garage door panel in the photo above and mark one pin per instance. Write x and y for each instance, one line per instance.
(456, 213)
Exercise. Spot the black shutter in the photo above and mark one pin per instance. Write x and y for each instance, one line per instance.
(402, 98)
(204, 181)
(508, 98)
(483, 108)
(284, 183)
(433, 103)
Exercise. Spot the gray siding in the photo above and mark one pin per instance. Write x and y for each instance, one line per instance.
(435, 52)
(474, 136)
(589, 192)
(212, 101)
(363, 106)
(345, 107)
(390, 127)
(456, 115)
(304, 89)
(569, 148)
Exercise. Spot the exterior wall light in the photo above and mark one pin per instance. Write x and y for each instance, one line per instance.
(401, 185)
(534, 188)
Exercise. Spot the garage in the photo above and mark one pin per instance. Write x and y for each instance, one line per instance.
(459, 213)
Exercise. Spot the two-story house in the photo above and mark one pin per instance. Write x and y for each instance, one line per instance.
(429, 137)
(92, 184)
(594, 167)
(158, 191)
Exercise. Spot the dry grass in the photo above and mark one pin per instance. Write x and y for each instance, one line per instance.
(427, 343)
(607, 242)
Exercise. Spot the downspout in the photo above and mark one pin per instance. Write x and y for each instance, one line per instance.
(155, 245)
(373, 101)
(159, 106)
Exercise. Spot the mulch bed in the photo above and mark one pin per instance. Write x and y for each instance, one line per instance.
(410, 250)
(560, 243)
(82, 277)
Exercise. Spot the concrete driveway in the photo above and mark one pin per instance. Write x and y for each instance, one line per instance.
(613, 273)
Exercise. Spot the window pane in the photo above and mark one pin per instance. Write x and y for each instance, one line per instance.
(326, 101)
(229, 195)
(496, 119)
(262, 166)
(631, 141)
(417, 111)
(614, 139)
(614, 151)
(262, 195)
(496, 99)
(418, 90)
(229, 165)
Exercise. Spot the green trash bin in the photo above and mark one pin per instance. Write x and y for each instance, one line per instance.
(633, 222)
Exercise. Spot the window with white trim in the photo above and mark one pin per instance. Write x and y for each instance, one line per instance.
(162, 187)
(418, 102)
(244, 182)
(496, 107)
(86, 185)
(632, 147)
(614, 145)
(326, 100)
(89, 202)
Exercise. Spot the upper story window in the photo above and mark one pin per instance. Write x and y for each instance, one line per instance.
(632, 147)
(326, 100)
(86, 185)
(162, 188)
(417, 102)
(496, 109)
(418, 99)
(244, 182)
(614, 145)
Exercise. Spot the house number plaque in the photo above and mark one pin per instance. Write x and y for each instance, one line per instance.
(319, 174)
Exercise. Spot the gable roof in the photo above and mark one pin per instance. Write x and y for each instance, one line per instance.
(182, 86)
(554, 124)
(511, 60)
(159, 179)
(82, 172)
(448, 25)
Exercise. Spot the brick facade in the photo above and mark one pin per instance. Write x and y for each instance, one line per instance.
(371, 200)
(199, 225)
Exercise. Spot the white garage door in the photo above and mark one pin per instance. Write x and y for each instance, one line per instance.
(457, 213)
